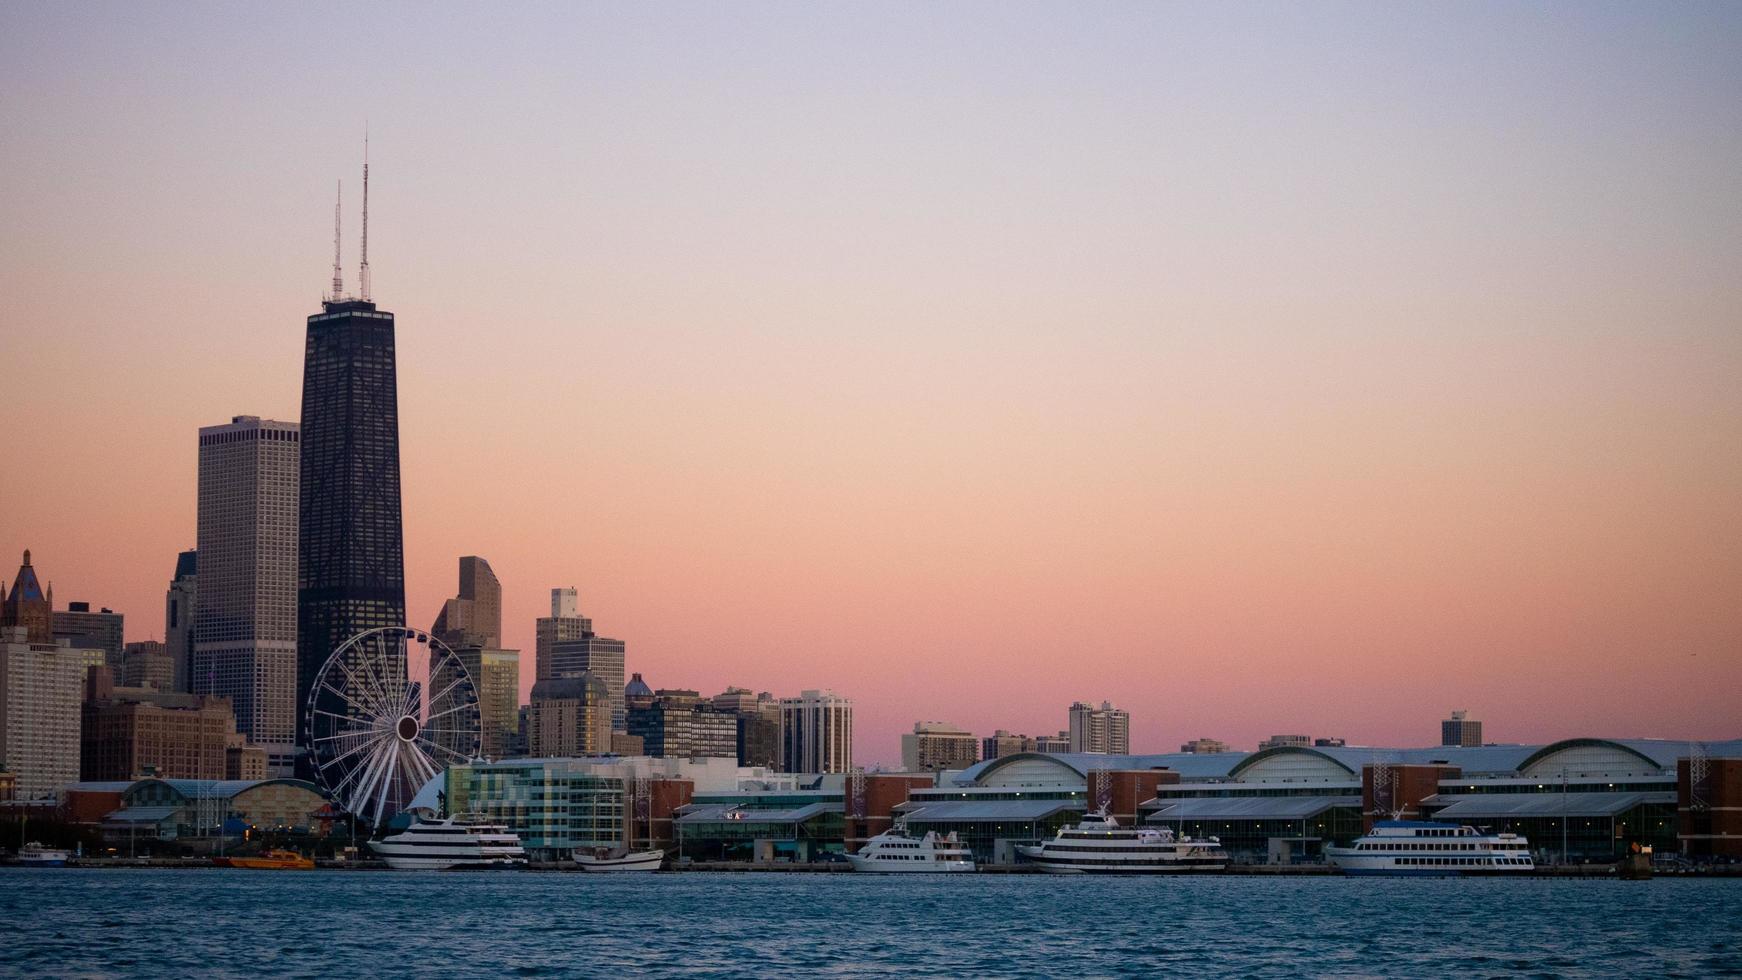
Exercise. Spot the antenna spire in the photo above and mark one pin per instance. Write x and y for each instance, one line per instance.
(363, 271)
(338, 277)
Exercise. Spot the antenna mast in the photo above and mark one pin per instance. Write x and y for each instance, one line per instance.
(338, 277)
(363, 272)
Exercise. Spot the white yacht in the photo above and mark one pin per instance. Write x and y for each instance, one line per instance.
(893, 851)
(1098, 845)
(1429, 847)
(451, 842)
(36, 855)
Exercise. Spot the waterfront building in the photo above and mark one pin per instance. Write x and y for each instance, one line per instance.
(29, 605)
(1285, 742)
(816, 733)
(350, 539)
(127, 732)
(936, 745)
(1461, 729)
(41, 688)
(1002, 742)
(471, 625)
(245, 625)
(101, 630)
(1105, 729)
(198, 812)
(474, 617)
(147, 663)
(1053, 744)
(178, 617)
(567, 646)
(568, 716)
(679, 724)
(1206, 746)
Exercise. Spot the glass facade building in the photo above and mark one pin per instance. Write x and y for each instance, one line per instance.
(351, 554)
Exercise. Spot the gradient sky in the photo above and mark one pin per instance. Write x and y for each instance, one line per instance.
(1263, 368)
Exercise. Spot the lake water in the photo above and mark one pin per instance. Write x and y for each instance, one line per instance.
(456, 925)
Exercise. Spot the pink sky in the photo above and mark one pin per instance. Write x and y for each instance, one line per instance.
(1263, 370)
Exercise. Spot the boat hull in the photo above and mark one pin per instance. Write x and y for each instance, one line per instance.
(643, 861)
(874, 866)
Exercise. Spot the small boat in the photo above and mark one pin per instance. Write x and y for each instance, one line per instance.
(35, 855)
(1098, 845)
(617, 859)
(1431, 848)
(272, 860)
(893, 851)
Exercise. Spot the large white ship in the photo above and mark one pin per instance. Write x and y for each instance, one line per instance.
(1431, 848)
(452, 842)
(1098, 845)
(893, 851)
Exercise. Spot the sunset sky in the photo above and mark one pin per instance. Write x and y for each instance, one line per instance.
(1262, 368)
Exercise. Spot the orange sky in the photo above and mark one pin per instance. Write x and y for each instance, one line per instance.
(1272, 370)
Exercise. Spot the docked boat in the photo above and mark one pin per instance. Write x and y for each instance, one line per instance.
(35, 855)
(1431, 848)
(272, 860)
(617, 859)
(893, 851)
(1099, 845)
(451, 843)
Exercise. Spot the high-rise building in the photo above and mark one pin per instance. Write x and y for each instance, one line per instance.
(1102, 730)
(816, 733)
(474, 617)
(934, 746)
(1460, 729)
(82, 628)
(471, 625)
(567, 646)
(178, 617)
(41, 687)
(130, 731)
(1205, 746)
(1002, 743)
(1285, 742)
(680, 724)
(757, 717)
(1053, 744)
(245, 637)
(351, 572)
(29, 605)
(567, 717)
(147, 663)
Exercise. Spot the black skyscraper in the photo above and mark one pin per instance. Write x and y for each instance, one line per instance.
(351, 571)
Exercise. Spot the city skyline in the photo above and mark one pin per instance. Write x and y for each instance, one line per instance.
(1447, 411)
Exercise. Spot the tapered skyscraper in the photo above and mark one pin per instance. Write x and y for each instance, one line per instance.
(351, 568)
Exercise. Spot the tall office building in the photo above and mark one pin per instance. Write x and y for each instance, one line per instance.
(1003, 743)
(934, 746)
(29, 605)
(474, 617)
(682, 725)
(41, 687)
(101, 630)
(568, 647)
(1460, 729)
(1285, 742)
(178, 617)
(567, 717)
(351, 572)
(1104, 730)
(245, 641)
(816, 733)
(471, 625)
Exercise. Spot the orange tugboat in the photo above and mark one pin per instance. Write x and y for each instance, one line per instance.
(268, 861)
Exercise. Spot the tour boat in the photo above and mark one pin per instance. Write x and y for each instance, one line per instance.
(1432, 848)
(273, 860)
(617, 859)
(893, 851)
(35, 855)
(1098, 845)
(450, 843)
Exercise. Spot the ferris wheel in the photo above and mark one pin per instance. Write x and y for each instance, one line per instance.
(374, 735)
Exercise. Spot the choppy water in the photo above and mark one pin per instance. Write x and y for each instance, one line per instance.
(327, 923)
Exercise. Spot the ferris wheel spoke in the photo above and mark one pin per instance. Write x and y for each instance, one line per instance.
(360, 747)
(374, 702)
(439, 747)
(387, 785)
(372, 663)
(459, 678)
(457, 706)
